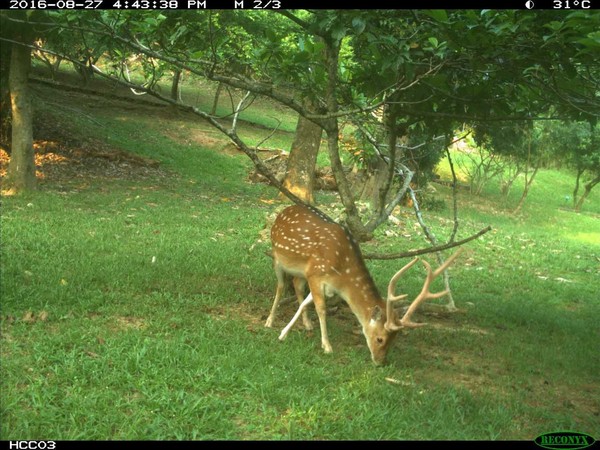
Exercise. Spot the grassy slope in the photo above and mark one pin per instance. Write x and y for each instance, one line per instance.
(156, 290)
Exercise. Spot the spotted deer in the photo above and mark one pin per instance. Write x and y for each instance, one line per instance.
(312, 248)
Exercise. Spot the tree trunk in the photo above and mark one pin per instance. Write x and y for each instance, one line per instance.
(5, 119)
(21, 168)
(577, 182)
(332, 129)
(300, 173)
(213, 110)
(377, 173)
(528, 183)
(513, 170)
(176, 86)
(587, 189)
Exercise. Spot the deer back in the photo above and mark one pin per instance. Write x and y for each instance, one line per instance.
(309, 245)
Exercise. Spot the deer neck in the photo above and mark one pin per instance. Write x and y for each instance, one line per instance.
(359, 291)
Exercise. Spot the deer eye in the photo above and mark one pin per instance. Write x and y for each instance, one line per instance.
(380, 340)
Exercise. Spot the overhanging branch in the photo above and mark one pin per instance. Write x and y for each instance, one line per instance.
(424, 251)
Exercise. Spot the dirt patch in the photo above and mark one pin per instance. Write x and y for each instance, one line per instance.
(201, 138)
(60, 163)
(130, 323)
(62, 158)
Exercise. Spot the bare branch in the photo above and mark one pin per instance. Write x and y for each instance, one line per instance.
(293, 18)
(454, 196)
(237, 111)
(424, 251)
(273, 131)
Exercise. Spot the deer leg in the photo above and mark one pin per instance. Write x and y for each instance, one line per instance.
(301, 310)
(319, 299)
(299, 285)
(278, 293)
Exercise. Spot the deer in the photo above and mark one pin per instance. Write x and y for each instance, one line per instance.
(315, 250)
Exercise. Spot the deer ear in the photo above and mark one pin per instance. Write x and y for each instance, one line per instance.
(376, 314)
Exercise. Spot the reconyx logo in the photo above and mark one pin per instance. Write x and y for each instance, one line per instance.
(564, 440)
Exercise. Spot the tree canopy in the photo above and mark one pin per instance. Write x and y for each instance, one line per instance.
(429, 71)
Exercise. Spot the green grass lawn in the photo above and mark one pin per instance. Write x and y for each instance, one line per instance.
(134, 309)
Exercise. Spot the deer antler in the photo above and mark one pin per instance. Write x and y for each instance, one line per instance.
(425, 294)
(390, 323)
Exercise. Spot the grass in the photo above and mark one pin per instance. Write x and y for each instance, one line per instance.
(134, 309)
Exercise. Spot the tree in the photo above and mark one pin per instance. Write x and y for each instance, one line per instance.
(5, 52)
(576, 144)
(513, 149)
(590, 160)
(20, 174)
(430, 69)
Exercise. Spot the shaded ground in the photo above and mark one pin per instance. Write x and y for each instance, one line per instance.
(62, 156)
(59, 162)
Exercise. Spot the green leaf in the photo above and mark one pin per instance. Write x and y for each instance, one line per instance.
(338, 33)
(437, 14)
(359, 24)
(594, 43)
(271, 35)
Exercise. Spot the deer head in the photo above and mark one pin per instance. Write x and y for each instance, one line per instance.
(315, 250)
